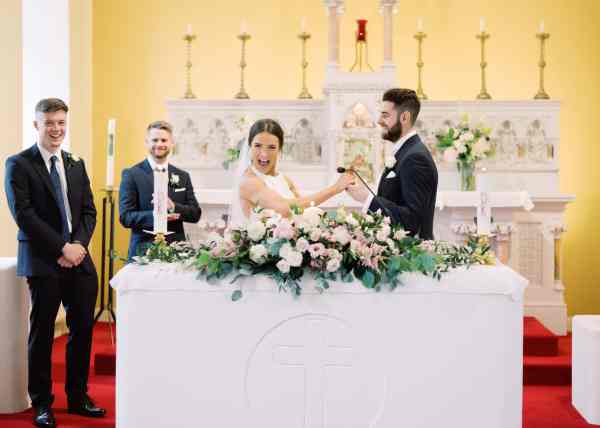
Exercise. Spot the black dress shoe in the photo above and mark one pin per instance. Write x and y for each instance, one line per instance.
(44, 418)
(86, 407)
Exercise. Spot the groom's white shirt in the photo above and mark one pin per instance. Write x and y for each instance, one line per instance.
(397, 147)
(154, 165)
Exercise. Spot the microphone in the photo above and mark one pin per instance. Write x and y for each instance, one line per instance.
(342, 170)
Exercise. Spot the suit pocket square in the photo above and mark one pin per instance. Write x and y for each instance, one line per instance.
(391, 175)
(181, 189)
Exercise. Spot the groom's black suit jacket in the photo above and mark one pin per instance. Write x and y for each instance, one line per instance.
(409, 197)
(34, 206)
(136, 209)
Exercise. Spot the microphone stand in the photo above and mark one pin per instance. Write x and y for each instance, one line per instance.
(342, 170)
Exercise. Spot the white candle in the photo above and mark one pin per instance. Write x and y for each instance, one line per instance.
(188, 30)
(420, 25)
(484, 215)
(482, 180)
(303, 25)
(482, 25)
(110, 153)
(243, 27)
(542, 27)
(161, 193)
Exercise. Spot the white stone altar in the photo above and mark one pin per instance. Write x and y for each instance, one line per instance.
(322, 134)
(429, 354)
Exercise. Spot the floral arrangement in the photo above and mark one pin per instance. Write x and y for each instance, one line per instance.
(236, 141)
(330, 246)
(466, 145)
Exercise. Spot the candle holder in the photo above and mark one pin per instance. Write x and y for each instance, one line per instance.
(420, 36)
(541, 94)
(304, 94)
(361, 47)
(483, 94)
(242, 94)
(189, 38)
(108, 201)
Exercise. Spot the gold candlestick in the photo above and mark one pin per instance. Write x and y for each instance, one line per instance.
(483, 95)
(304, 94)
(189, 38)
(242, 95)
(541, 94)
(420, 36)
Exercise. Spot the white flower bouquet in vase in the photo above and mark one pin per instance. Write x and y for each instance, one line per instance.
(465, 145)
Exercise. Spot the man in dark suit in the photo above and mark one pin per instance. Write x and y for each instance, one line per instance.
(408, 186)
(137, 188)
(50, 198)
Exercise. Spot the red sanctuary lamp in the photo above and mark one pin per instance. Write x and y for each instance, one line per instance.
(362, 54)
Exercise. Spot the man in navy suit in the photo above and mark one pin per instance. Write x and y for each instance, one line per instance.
(408, 186)
(137, 187)
(50, 198)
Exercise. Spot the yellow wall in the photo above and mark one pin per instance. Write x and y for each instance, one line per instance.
(138, 58)
(10, 111)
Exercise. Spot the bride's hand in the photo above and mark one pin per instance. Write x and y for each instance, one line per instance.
(344, 181)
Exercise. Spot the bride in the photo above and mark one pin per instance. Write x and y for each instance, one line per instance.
(259, 183)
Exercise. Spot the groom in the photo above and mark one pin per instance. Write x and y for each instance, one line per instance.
(407, 188)
(137, 187)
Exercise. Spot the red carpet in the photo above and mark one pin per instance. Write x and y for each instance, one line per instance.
(544, 406)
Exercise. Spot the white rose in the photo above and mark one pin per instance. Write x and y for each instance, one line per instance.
(315, 234)
(390, 161)
(283, 266)
(333, 265)
(258, 253)
(341, 235)
(312, 215)
(294, 258)
(467, 136)
(285, 250)
(460, 146)
(450, 155)
(256, 230)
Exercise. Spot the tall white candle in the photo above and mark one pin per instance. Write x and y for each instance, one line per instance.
(303, 25)
(161, 193)
(419, 25)
(110, 153)
(483, 180)
(244, 27)
(482, 25)
(542, 26)
(188, 30)
(484, 211)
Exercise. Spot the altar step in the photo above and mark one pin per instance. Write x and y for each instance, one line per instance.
(546, 357)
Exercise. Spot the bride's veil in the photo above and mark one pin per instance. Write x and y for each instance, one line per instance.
(236, 213)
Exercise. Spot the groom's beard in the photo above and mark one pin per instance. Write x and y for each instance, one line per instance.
(394, 133)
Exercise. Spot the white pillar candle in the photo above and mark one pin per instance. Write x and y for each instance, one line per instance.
(161, 194)
(110, 153)
(482, 25)
(420, 25)
(483, 180)
(542, 27)
(303, 25)
(244, 27)
(188, 30)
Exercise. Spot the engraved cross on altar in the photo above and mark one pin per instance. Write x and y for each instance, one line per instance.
(314, 356)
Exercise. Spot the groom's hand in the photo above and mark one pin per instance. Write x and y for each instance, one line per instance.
(358, 192)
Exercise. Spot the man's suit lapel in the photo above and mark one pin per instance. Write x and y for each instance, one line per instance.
(39, 165)
(399, 155)
(70, 175)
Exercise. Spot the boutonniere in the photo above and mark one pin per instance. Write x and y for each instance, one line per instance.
(174, 180)
(390, 162)
(71, 159)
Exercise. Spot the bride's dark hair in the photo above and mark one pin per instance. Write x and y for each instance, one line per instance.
(269, 126)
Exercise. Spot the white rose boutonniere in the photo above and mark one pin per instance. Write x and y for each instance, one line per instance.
(390, 162)
(174, 179)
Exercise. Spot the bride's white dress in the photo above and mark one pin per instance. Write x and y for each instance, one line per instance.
(277, 183)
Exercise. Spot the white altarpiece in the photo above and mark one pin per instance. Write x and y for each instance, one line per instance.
(322, 134)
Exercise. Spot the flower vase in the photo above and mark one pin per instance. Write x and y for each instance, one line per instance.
(467, 176)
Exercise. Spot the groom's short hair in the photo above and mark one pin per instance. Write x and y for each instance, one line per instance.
(404, 100)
